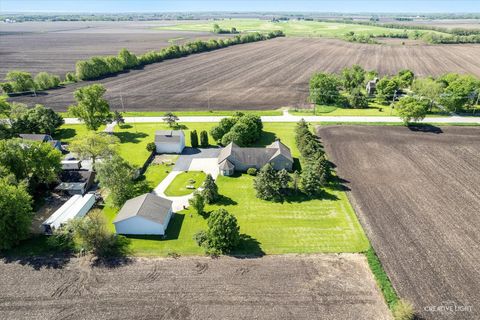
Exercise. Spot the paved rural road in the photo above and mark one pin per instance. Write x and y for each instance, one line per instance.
(291, 118)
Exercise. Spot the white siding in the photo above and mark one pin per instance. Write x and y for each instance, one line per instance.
(169, 147)
(141, 226)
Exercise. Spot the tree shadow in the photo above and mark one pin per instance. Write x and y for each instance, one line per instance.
(299, 197)
(426, 128)
(337, 183)
(65, 133)
(247, 247)
(266, 139)
(190, 150)
(131, 137)
(297, 166)
(225, 201)
(41, 262)
(125, 126)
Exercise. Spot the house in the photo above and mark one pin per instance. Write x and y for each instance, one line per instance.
(371, 86)
(42, 138)
(76, 181)
(234, 158)
(169, 141)
(75, 207)
(145, 214)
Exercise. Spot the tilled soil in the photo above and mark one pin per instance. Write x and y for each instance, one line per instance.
(272, 287)
(417, 194)
(262, 75)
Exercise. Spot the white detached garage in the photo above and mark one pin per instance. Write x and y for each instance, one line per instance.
(145, 214)
(169, 141)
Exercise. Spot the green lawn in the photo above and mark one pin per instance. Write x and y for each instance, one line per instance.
(178, 187)
(290, 28)
(326, 224)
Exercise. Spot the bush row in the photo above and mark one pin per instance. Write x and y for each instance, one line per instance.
(23, 82)
(97, 67)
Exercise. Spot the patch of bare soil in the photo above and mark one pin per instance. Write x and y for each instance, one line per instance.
(52, 203)
(417, 195)
(262, 75)
(271, 287)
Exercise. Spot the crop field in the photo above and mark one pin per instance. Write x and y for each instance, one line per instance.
(272, 287)
(56, 46)
(263, 75)
(417, 195)
(297, 28)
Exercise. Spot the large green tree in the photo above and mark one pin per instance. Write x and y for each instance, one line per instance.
(386, 89)
(412, 108)
(223, 233)
(20, 81)
(460, 93)
(15, 213)
(128, 59)
(37, 120)
(428, 88)
(116, 175)
(95, 145)
(33, 162)
(91, 107)
(45, 80)
(197, 202)
(267, 184)
(353, 78)
(324, 88)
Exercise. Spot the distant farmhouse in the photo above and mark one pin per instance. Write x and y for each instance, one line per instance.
(371, 86)
(42, 138)
(145, 214)
(234, 158)
(169, 141)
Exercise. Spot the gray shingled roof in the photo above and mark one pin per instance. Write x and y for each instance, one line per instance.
(35, 137)
(254, 156)
(168, 135)
(226, 165)
(148, 206)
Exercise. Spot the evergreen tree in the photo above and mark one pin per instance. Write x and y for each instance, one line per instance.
(204, 139)
(210, 190)
(194, 138)
(267, 184)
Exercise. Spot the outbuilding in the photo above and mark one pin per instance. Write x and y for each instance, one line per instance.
(169, 141)
(42, 138)
(75, 207)
(147, 214)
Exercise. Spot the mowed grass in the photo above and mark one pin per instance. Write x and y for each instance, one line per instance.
(178, 187)
(298, 28)
(298, 225)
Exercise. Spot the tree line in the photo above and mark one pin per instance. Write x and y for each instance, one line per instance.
(97, 67)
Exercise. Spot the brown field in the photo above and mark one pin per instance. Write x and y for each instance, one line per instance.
(272, 287)
(56, 46)
(262, 75)
(417, 195)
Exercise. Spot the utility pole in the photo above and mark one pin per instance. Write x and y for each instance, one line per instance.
(208, 98)
(393, 100)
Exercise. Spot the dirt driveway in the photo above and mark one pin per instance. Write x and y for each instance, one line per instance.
(272, 287)
(417, 195)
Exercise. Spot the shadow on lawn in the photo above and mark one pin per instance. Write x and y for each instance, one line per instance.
(266, 139)
(65, 133)
(302, 197)
(132, 137)
(248, 247)
(225, 201)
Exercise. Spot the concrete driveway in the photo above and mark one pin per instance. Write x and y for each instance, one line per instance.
(191, 159)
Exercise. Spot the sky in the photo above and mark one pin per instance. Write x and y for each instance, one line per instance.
(120, 6)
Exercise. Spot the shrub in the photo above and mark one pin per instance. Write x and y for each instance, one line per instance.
(20, 82)
(403, 310)
(70, 77)
(210, 190)
(223, 232)
(44, 81)
(194, 138)
(151, 147)
(204, 139)
(252, 171)
(324, 88)
(37, 120)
